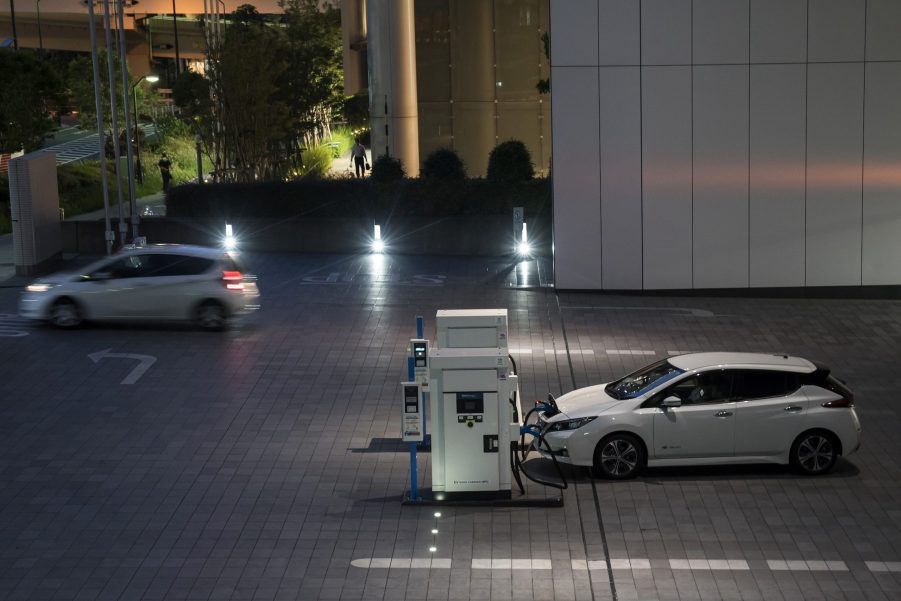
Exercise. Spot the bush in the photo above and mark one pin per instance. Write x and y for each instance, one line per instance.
(316, 161)
(387, 169)
(443, 163)
(350, 198)
(510, 161)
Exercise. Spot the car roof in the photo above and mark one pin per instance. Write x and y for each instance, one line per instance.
(693, 361)
(177, 249)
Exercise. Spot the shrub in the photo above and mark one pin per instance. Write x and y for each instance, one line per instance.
(316, 161)
(510, 161)
(387, 169)
(443, 163)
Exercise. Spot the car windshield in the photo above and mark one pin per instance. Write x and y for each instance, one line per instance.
(645, 379)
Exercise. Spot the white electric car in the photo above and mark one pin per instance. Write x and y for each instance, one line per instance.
(707, 409)
(159, 282)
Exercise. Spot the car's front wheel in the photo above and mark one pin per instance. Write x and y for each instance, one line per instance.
(618, 457)
(815, 452)
(65, 314)
(211, 316)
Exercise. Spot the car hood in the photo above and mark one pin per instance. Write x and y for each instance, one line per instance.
(585, 402)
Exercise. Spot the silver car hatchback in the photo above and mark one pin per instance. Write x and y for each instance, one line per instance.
(169, 282)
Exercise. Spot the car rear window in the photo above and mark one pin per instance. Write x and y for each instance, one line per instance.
(762, 383)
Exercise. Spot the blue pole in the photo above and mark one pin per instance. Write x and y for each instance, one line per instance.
(414, 486)
(419, 326)
(425, 435)
(413, 483)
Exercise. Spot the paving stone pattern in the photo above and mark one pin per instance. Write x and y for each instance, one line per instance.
(261, 462)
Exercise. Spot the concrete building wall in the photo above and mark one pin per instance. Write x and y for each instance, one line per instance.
(726, 143)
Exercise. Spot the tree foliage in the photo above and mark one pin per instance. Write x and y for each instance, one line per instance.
(270, 88)
(510, 161)
(443, 163)
(29, 87)
(387, 169)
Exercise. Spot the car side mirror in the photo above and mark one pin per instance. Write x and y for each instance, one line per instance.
(672, 401)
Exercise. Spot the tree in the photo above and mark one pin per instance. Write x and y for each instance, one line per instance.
(443, 163)
(80, 82)
(314, 85)
(510, 161)
(253, 111)
(29, 88)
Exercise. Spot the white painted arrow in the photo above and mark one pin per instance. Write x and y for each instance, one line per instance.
(145, 362)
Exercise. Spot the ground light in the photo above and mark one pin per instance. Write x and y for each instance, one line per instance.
(524, 249)
(229, 241)
(378, 245)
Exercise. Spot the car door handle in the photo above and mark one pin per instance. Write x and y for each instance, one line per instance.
(723, 414)
(792, 409)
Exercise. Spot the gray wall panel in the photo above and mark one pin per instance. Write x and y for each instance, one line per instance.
(778, 31)
(574, 32)
(621, 177)
(619, 39)
(720, 31)
(834, 178)
(778, 149)
(666, 32)
(666, 176)
(882, 176)
(836, 30)
(720, 189)
(577, 215)
(883, 27)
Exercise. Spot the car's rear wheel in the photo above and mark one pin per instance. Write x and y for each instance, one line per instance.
(815, 452)
(211, 316)
(65, 314)
(618, 457)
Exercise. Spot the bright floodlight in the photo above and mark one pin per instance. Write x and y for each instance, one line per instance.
(230, 242)
(378, 245)
(524, 248)
(152, 78)
(437, 514)
(432, 549)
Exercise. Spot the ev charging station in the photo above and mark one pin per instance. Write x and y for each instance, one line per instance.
(470, 385)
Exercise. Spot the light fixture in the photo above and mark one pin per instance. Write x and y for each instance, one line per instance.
(437, 514)
(229, 242)
(433, 549)
(434, 531)
(524, 248)
(378, 245)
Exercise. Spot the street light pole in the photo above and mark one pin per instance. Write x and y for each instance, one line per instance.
(40, 33)
(12, 16)
(139, 171)
(197, 140)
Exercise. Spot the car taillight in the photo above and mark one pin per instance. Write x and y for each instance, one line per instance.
(234, 280)
(834, 385)
(842, 402)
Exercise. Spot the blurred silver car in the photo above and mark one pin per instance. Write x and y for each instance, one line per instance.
(160, 282)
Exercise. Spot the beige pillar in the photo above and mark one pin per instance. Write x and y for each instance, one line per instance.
(353, 34)
(392, 81)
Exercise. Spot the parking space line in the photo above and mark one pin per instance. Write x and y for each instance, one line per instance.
(613, 351)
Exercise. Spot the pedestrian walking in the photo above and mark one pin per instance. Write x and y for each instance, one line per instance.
(358, 158)
(165, 166)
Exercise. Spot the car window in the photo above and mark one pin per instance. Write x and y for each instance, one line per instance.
(172, 265)
(642, 381)
(130, 266)
(707, 387)
(761, 384)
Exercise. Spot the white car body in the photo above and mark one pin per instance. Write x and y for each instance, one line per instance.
(735, 430)
(185, 279)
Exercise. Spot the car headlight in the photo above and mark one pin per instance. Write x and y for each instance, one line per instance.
(570, 424)
(39, 287)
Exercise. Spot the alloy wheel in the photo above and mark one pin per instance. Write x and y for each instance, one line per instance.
(211, 317)
(815, 453)
(619, 458)
(64, 314)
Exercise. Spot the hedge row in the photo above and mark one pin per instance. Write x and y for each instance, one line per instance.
(359, 198)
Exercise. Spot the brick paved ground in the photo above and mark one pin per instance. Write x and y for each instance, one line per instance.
(263, 463)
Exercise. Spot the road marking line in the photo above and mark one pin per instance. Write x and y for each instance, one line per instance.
(884, 566)
(681, 352)
(402, 563)
(511, 564)
(629, 352)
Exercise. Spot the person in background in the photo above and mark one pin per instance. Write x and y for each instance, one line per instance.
(165, 165)
(358, 158)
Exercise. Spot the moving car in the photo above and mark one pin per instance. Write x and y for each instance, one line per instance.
(707, 409)
(159, 281)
